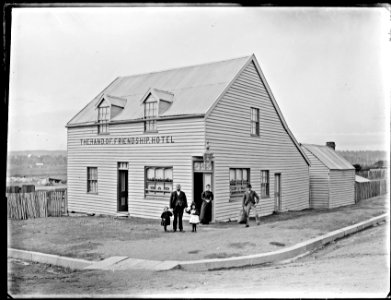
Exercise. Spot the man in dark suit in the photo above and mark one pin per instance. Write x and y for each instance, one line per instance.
(249, 203)
(178, 202)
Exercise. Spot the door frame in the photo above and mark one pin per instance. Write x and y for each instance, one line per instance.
(277, 208)
(200, 159)
(118, 190)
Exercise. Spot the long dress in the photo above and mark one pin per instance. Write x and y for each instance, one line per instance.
(206, 207)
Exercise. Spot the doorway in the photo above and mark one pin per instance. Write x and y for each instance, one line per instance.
(122, 199)
(198, 189)
(277, 192)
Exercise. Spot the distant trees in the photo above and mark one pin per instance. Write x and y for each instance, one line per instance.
(365, 158)
(357, 167)
(379, 164)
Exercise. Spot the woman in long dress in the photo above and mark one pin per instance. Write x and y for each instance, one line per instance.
(206, 207)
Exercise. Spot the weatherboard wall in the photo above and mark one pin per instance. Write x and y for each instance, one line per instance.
(319, 182)
(341, 187)
(189, 140)
(228, 131)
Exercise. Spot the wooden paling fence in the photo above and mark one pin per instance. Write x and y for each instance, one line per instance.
(373, 173)
(39, 204)
(365, 190)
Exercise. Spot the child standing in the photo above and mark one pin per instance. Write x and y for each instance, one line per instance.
(194, 217)
(166, 214)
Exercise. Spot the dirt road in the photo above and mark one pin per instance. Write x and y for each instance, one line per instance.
(358, 266)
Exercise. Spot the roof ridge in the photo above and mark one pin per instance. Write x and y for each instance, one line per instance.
(187, 66)
(180, 89)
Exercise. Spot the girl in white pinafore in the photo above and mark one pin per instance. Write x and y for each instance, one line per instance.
(194, 216)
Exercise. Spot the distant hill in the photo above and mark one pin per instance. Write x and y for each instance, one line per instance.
(39, 152)
(30, 163)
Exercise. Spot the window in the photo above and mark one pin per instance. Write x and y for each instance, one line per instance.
(238, 180)
(92, 180)
(158, 180)
(265, 184)
(103, 119)
(150, 115)
(254, 121)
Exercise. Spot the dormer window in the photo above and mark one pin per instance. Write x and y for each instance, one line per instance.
(150, 115)
(108, 108)
(156, 102)
(103, 119)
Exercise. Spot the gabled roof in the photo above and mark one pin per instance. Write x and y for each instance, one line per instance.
(196, 90)
(329, 157)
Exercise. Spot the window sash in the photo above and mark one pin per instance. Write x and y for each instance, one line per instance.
(265, 193)
(158, 180)
(103, 119)
(150, 110)
(150, 125)
(254, 121)
(238, 180)
(150, 114)
(92, 179)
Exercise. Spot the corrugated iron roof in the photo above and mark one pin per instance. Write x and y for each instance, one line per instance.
(195, 90)
(329, 157)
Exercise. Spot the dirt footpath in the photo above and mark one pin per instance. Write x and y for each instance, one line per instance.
(97, 237)
(357, 266)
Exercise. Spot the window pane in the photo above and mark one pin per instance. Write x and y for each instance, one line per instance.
(168, 186)
(151, 174)
(231, 174)
(238, 174)
(245, 174)
(159, 174)
(160, 186)
(253, 128)
(159, 180)
(168, 174)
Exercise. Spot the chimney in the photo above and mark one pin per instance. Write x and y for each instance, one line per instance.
(331, 145)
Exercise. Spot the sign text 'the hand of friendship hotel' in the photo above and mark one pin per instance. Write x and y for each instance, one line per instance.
(163, 139)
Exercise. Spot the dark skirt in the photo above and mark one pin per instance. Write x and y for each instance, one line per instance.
(206, 212)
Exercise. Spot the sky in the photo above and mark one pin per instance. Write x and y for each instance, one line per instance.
(326, 66)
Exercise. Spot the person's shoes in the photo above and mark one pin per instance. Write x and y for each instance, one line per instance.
(181, 230)
(247, 225)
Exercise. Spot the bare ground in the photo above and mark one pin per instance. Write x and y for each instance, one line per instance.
(357, 266)
(97, 238)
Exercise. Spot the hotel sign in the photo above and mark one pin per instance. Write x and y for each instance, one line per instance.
(161, 139)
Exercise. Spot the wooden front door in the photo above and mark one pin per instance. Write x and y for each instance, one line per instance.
(277, 192)
(122, 190)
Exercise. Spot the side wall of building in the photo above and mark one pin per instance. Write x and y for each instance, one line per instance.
(341, 187)
(189, 140)
(228, 131)
(319, 182)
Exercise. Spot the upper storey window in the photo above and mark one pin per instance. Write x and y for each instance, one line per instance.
(156, 102)
(108, 108)
(103, 119)
(150, 115)
(254, 121)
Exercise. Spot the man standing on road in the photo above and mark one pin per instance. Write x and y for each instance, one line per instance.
(178, 203)
(249, 203)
